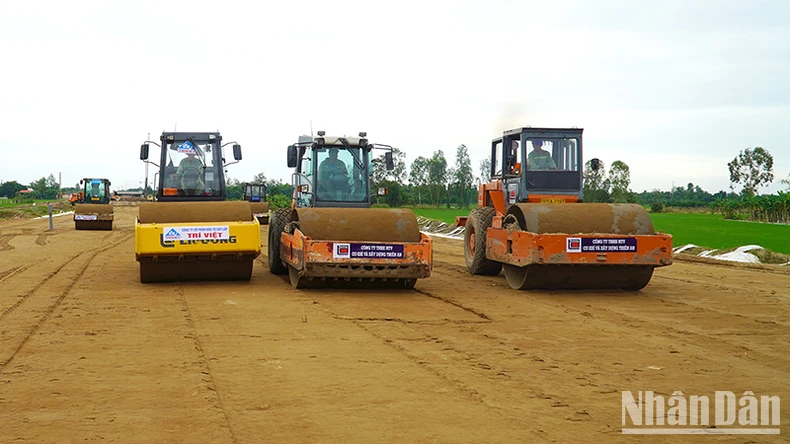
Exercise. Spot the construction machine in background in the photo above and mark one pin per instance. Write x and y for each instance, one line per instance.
(331, 235)
(93, 210)
(530, 221)
(255, 194)
(190, 232)
(76, 198)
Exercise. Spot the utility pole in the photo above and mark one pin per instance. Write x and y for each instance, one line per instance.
(60, 178)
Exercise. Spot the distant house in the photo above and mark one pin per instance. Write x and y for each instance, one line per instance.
(25, 191)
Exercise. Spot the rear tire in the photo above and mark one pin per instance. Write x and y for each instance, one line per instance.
(475, 242)
(277, 224)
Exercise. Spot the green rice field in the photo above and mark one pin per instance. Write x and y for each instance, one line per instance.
(706, 230)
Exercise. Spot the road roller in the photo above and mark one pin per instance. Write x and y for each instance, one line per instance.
(531, 223)
(331, 237)
(190, 232)
(255, 194)
(93, 210)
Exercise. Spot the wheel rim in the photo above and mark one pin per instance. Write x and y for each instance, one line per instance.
(472, 241)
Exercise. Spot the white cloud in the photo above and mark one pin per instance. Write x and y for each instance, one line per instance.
(675, 89)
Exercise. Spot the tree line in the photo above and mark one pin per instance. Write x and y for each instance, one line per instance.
(433, 181)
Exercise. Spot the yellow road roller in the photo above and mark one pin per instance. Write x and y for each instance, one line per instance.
(190, 232)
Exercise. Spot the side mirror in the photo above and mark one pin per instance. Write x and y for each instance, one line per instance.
(389, 161)
(237, 152)
(144, 151)
(292, 156)
(81, 181)
(595, 164)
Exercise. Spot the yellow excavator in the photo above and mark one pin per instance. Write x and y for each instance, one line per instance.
(191, 232)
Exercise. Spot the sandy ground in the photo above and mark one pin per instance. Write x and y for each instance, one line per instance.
(88, 354)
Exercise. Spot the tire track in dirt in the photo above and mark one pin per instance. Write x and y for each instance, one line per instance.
(212, 385)
(11, 272)
(471, 361)
(537, 343)
(47, 305)
(595, 319)
(20, 269)
(4, 242)
(24, 297)
(644, 317)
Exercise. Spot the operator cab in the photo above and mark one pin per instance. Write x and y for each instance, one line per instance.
(536, 162)
(95, 191)
(254, 192)
(191, 166)
(334, 171)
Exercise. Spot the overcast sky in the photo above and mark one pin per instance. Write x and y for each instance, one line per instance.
(673, 88)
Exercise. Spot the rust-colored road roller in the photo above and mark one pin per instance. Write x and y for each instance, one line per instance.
(331, 236)
(530, 221)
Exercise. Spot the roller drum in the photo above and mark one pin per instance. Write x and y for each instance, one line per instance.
(587, 218)
(103, 222)
(93, 209)
(358, 224)
(259, 207)
(186, 212)
(579, 219)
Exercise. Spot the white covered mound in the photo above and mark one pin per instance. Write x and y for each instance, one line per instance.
(439, 229)
(740, 254)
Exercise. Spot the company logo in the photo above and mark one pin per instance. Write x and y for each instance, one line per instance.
(646, 413)
(172, 235)
(342, 251)
(186, 147)
(573, 244)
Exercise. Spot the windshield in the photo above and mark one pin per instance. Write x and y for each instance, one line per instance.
(94, 190)
(190, 168)
(342, 175)
(552, 154)
(254, 193)
(552, 164)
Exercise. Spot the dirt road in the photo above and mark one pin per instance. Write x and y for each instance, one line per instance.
(87, 353)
